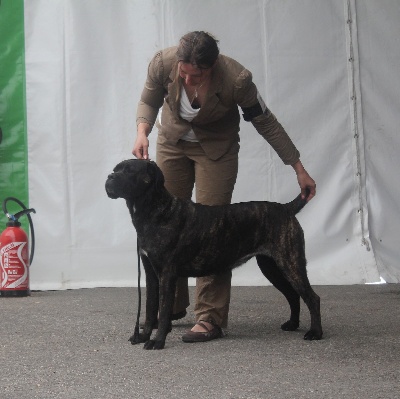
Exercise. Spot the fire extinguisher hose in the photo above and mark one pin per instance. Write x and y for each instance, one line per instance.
(26, 212)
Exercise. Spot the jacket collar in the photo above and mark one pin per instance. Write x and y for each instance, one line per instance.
(173, 90)
(212, 98)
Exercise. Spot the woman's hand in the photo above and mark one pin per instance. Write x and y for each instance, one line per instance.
(305, 181)
(141, 147)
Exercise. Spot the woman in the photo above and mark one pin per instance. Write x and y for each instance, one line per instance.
(198, 91)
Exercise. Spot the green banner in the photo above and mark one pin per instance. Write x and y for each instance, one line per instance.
(13, 136)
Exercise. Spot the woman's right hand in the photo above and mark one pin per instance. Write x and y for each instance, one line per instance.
(141, 147)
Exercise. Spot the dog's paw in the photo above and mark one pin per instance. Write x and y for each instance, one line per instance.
(290, 325)
(152, 344)
(312, 335)
(138, 339)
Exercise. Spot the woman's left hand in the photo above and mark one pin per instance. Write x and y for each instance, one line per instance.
(305, 181)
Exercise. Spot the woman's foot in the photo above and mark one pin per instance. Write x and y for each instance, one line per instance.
(203, 331)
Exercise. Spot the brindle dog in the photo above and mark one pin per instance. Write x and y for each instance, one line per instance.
(180, 238)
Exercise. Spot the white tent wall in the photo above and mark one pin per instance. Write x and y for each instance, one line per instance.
(86, 63)
(379, 53)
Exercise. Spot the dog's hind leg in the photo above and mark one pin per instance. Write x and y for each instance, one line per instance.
(312, 301)
(294, 269)
(152, 288)
(271, 271)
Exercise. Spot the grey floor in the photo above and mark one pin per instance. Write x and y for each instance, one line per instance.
(74, 344)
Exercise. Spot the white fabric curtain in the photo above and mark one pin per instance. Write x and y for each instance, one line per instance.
(328, 70)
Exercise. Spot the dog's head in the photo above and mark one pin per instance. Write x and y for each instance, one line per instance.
(133, 178)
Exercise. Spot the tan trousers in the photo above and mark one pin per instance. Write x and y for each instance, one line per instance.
(185, 166)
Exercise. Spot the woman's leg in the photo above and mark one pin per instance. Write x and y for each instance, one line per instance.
(182, 165)
(215, 181)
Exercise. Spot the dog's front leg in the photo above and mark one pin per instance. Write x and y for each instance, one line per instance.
(167, 296)
(152, 289)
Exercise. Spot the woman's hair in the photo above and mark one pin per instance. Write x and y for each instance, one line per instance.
(198, 48)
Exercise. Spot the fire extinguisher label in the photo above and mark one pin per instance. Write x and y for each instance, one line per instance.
(14, 266)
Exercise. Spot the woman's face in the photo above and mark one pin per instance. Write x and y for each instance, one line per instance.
(192, 75)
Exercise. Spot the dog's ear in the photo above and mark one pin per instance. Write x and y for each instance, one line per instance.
(155, 175)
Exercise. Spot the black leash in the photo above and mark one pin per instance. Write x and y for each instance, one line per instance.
(136, 333)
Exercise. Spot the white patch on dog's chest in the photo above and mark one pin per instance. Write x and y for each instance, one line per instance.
(143, 252)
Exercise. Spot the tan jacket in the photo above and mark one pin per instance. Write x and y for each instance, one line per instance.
(217, 124)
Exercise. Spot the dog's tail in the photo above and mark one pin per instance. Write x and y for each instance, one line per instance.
(298, 203)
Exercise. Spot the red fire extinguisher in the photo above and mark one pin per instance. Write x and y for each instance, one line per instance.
(14, 253)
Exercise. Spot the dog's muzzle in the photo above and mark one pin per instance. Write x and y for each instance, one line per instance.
(110, 187)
